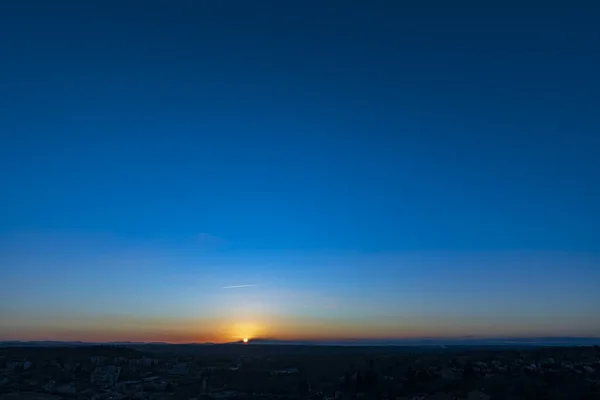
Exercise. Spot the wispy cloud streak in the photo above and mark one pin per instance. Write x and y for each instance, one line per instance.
(237, 286)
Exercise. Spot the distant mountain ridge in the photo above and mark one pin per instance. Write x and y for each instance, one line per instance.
(539, 341)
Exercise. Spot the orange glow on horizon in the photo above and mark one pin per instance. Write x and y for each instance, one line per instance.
(242, 329)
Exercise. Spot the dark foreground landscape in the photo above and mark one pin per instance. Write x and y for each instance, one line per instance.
(253, 371)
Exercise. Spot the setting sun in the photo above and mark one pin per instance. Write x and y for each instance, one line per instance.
(243, 331)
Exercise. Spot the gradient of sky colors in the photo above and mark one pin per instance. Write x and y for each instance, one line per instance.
(362, 170)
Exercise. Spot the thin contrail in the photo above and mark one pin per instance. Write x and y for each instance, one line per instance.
(237, 286)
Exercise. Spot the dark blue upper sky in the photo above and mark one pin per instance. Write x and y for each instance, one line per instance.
(303, 124)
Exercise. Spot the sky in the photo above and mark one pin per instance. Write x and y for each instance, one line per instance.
(191, 171)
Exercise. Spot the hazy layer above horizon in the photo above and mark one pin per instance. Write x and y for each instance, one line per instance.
(185, 294)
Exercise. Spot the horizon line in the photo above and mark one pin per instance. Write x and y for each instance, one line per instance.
(390, 341)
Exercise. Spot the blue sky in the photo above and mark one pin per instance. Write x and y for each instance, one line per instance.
(369, 165)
